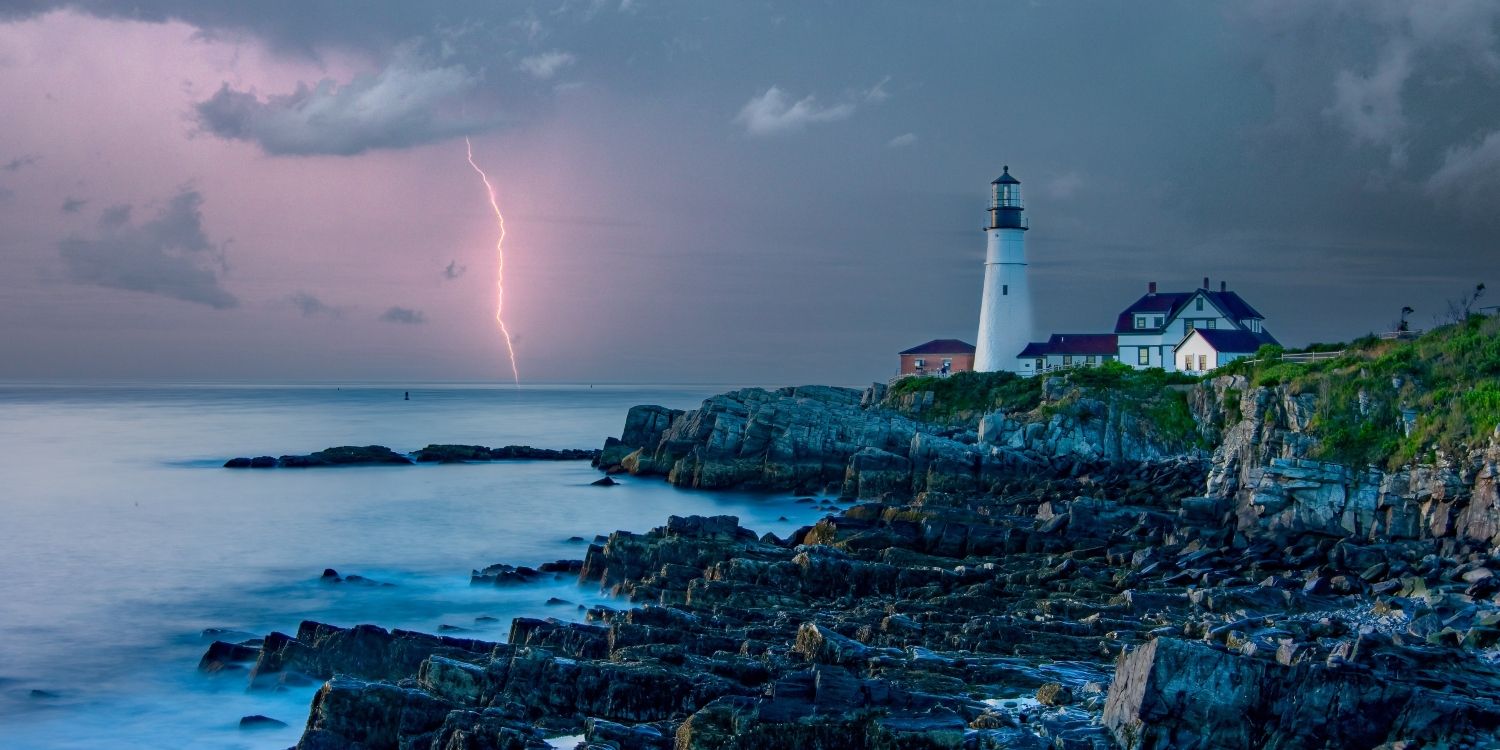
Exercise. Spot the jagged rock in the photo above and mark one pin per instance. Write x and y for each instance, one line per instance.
(222, 656)
(258, 721)
(1172, 693)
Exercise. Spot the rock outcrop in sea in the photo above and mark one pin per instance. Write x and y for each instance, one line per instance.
(368, 455)
(1097, 570)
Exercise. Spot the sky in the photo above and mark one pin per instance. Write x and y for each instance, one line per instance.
(761, 193)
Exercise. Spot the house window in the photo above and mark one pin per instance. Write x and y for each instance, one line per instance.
(947, 364)
(1187, 361)
(1200, 304)
(1158, 322)
(1143, 356)
(1203, 362)
(1140, 321)
(1067, 359)
(1089, 359)
(1004, 289)
(1187, 326)
(920, 363)
(1040, 363)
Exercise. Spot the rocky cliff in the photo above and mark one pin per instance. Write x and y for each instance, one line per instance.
(1267, 465)
(870, 444)
(1259, 447)
(1095, 561)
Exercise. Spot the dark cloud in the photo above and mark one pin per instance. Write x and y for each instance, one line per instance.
(73, 205)
(454, 270)
(310, 306)
(1325, 157)
(409, 103)
(168, 255)
(404, 315)
(16, 164)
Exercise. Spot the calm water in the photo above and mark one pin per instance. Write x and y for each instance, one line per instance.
(121, 539)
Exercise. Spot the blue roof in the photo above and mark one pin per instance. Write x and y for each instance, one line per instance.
(1168, 304)
(1234, 341)
(1097, 344)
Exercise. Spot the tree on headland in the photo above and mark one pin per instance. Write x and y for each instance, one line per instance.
(1460, 309)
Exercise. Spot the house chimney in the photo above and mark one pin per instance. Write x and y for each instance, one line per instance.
(1151, 288)
(1205, 283)
(1223, 285)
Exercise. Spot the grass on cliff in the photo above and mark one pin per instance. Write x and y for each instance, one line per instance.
(1146, 395)
(973, 392)
(1143, 393)
(1392, 403)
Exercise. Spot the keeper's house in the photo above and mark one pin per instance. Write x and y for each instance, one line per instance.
(1158, 330)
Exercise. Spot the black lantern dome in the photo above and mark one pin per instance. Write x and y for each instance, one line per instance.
(1005, 203)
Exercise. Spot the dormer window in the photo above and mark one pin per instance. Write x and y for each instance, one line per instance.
(1140, 321)
(1158, 322)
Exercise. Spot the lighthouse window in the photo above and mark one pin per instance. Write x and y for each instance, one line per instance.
(1004, 289)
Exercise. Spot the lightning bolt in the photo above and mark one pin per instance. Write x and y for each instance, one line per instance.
(510, 349)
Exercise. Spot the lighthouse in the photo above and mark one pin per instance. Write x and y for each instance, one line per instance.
(1005, 312)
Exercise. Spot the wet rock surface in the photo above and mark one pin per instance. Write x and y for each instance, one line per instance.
(1042, 617)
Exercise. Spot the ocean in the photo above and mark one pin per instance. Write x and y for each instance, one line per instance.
(122, 539)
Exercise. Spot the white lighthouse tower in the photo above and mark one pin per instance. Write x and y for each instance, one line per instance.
(1005, 313)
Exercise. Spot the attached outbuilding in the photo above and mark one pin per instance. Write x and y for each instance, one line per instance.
(1065, 350)
(1205, 349)
(938, 357)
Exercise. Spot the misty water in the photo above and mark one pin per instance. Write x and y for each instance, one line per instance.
(122, 539)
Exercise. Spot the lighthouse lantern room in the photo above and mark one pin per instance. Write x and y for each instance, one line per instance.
(1005, 311)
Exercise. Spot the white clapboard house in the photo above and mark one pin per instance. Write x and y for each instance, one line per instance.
(1192, 331)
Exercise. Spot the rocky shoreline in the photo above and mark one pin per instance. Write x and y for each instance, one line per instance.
(1069, 577)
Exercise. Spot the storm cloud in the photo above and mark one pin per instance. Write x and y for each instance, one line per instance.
(168, 255)
(20, 162)
(404, 316)
(311, 306)
(408, 103)
(1307, 152)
